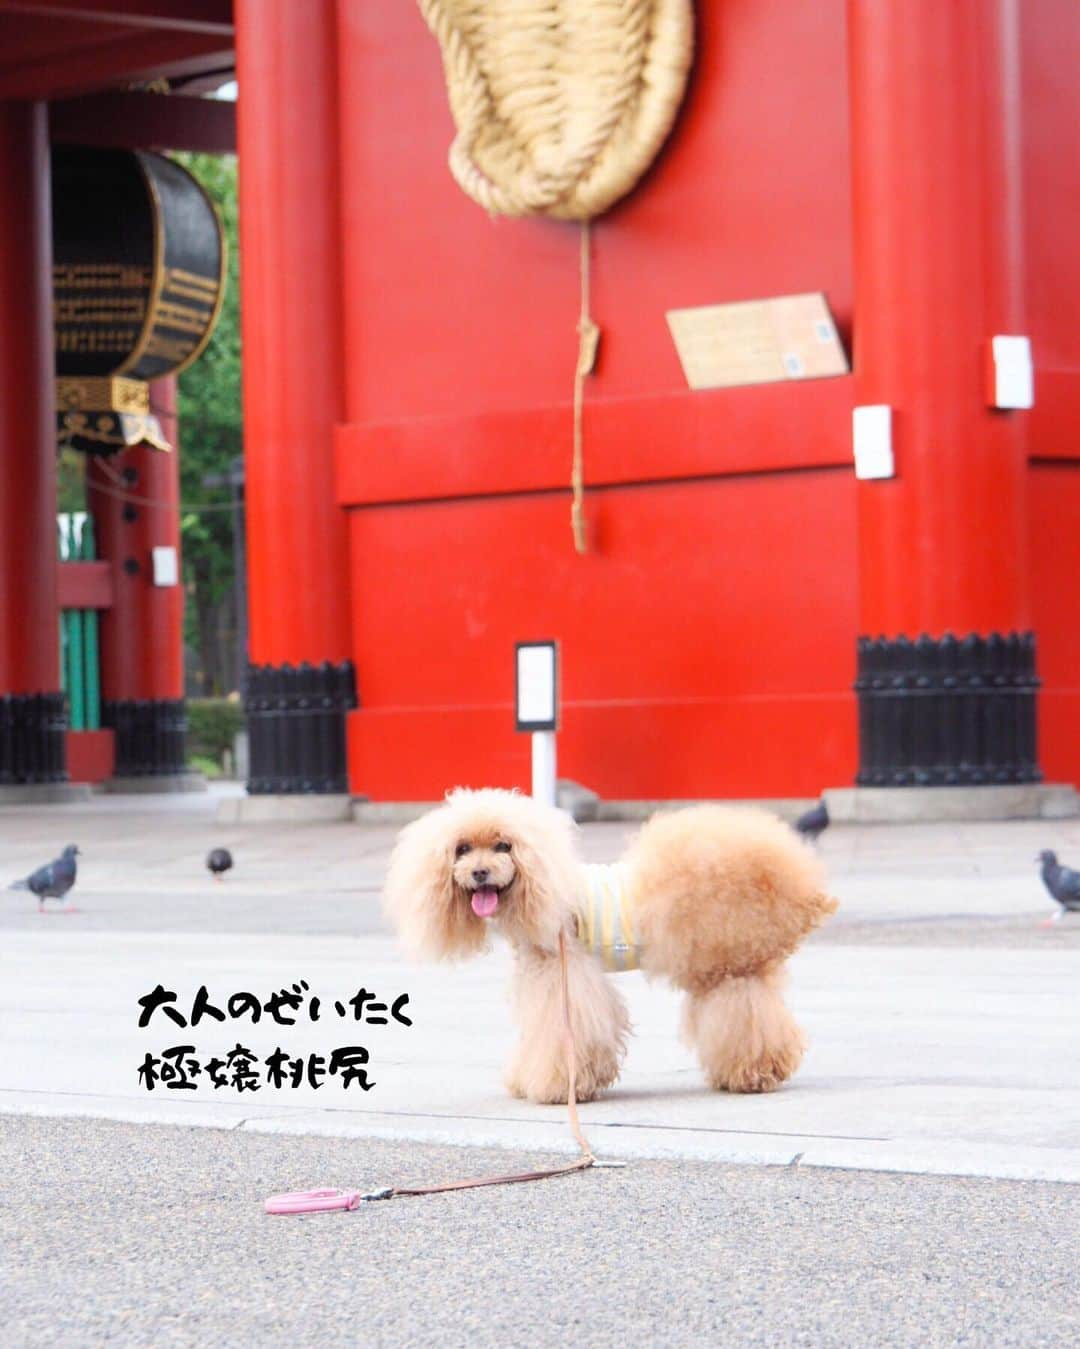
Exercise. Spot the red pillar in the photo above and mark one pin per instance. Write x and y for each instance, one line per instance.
(31, 718)
(287, 138)
(299, 638)
(135, 499)
(937, 256)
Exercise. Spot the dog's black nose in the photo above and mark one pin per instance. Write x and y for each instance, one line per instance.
(480, 875)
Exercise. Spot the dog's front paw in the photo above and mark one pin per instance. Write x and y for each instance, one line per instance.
(515, 1087)
(552, 1095)
(550, 1087)
(591, 1079)
(541, 1089)
(557, 1094)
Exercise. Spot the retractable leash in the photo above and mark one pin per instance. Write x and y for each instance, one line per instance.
(327, 1201)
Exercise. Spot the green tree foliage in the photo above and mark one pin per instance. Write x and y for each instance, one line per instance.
(210, 439)
(212, 726)
(71, 481)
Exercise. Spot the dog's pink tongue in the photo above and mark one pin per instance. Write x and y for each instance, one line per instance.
(485, 901)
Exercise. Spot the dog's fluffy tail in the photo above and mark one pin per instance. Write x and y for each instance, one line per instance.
(723, 891)
(744, 1035)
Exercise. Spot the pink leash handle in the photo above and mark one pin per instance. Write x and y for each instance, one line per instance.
(321, 1201)
(329, 1201)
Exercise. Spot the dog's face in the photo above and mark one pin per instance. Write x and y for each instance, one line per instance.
(483, 861)
(484, 871)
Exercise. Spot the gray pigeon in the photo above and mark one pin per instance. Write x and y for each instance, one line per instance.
(54, 880)
(218, 861)
(1062, 882)
(813, 822)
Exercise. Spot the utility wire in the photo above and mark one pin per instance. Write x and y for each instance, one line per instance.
(120, 493)
(185, 506)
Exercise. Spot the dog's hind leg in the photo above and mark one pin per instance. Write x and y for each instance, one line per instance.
(744, 1035)
(538, 1070)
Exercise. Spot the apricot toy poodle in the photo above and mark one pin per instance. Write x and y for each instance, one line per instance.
(713, 898)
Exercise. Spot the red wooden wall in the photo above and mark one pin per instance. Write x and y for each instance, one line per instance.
(708, 636)
(1051, 149)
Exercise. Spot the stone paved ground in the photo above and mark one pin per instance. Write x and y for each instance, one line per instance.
(942, 1013)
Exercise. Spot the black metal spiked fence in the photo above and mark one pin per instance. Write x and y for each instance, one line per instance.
(947, 711)
(296, 727)
(150, 736)
(32, 728)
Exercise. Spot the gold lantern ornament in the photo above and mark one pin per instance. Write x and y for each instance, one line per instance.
(138, 281)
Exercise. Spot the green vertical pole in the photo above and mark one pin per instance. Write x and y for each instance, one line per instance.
(77, 690)
(71, 670)
(92, 656)
(93, 676)
(61, 538)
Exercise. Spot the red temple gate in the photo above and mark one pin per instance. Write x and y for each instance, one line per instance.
(408, 388)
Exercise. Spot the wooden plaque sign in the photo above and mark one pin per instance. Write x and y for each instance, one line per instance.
(757, 341)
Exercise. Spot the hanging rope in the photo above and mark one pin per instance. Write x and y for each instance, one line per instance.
(588, 342)
(559, 112)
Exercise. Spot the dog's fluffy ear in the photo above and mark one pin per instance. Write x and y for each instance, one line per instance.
(432, 915)
(547, 871)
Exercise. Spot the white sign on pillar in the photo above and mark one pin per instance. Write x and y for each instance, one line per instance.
(536, 683)
(1012, 374)
(871, 428)
(166, 566)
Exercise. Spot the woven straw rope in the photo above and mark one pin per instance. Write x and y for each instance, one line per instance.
(560, 106)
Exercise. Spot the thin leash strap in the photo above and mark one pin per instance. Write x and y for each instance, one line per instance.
(319, 1201)
(580, 1164)
(587, 1157)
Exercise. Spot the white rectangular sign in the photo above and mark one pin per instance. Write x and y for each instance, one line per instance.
(166, 566)
(871, 427)
(536, 686)
(1014, 373)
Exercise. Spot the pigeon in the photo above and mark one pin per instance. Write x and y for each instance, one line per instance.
(814, 822)
(1063, 883)
(218, 861)
(54, 880)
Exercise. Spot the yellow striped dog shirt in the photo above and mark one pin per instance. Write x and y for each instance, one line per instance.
(606, 925)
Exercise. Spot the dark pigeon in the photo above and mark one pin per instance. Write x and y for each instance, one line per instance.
(218, 861)
(1062, 882)
(54, 880)
(814, 822)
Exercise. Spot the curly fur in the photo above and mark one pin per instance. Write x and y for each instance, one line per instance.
(723, 896)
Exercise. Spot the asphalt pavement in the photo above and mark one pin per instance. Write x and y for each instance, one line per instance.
(134, 1235)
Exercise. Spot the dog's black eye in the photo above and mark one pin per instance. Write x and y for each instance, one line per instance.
(501, 847)
(462, 849)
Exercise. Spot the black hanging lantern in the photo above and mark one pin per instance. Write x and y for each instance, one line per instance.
(138, 280)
